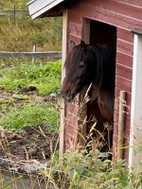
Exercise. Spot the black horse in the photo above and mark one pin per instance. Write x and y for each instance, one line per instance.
(86, 64)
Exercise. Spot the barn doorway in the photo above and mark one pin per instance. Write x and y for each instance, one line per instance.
(99, 33)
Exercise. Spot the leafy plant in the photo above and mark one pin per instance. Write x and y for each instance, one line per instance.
(94, 170)
(46, 78)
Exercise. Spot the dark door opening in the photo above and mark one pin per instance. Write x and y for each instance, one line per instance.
(100, 34)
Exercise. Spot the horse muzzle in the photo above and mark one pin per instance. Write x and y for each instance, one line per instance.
(65, 93)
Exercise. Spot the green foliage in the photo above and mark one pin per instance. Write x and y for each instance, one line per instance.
(94, 170)
(30, 114)
(46, 78)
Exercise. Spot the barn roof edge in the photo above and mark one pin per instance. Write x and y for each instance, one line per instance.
(37, 8)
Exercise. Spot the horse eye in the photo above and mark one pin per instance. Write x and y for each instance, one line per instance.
(82, 64)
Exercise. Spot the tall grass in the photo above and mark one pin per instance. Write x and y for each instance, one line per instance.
(44, 33)
(19, 4)
(23, 33)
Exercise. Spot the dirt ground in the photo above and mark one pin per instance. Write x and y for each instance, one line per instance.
(32, 143)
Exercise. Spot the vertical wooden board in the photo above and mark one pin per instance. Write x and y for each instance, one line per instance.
(71, 112)
(64, 53)
(115, 139)
(85, 36)
(85, 32)
(128, 100)
(121, 124)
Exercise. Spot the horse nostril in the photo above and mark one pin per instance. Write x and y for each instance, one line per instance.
(64, 93)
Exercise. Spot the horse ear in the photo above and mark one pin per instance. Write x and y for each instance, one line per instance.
(72, 44)
(83, 46)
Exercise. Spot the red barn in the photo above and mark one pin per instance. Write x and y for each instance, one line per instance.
(115, 23)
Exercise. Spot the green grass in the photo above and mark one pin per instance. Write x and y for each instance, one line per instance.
(21, 35)
(46, 78)
(30, 114)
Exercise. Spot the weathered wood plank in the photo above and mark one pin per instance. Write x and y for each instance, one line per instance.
(121, 124)
(121, 8)
(125, 47)
(125, 35)
(124, 71)
(49, 54)
(123, 58)
(63, 144)
(11, 11)
(75, 29)
(123, 83)
(108, 16)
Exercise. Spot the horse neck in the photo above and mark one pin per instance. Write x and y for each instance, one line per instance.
(104, 59)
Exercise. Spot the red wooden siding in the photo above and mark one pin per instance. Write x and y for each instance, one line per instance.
(125, 15)
(71, 122)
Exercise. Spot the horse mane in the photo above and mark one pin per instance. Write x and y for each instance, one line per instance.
(105, 60)
(73, 55)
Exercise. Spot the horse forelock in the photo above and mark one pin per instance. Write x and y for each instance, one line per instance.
(73, 59)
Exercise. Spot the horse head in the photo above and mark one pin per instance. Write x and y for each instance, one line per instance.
(79, 68)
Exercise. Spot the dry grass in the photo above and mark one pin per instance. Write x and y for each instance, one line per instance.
(45, 33)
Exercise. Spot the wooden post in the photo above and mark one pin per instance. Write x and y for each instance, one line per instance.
(121, 124)
(85, 33)
(34, 50)
(14, 15)
(85, 36)
(64, 54)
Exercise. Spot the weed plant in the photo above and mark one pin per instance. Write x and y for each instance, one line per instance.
(83, 170)
(46, 77)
